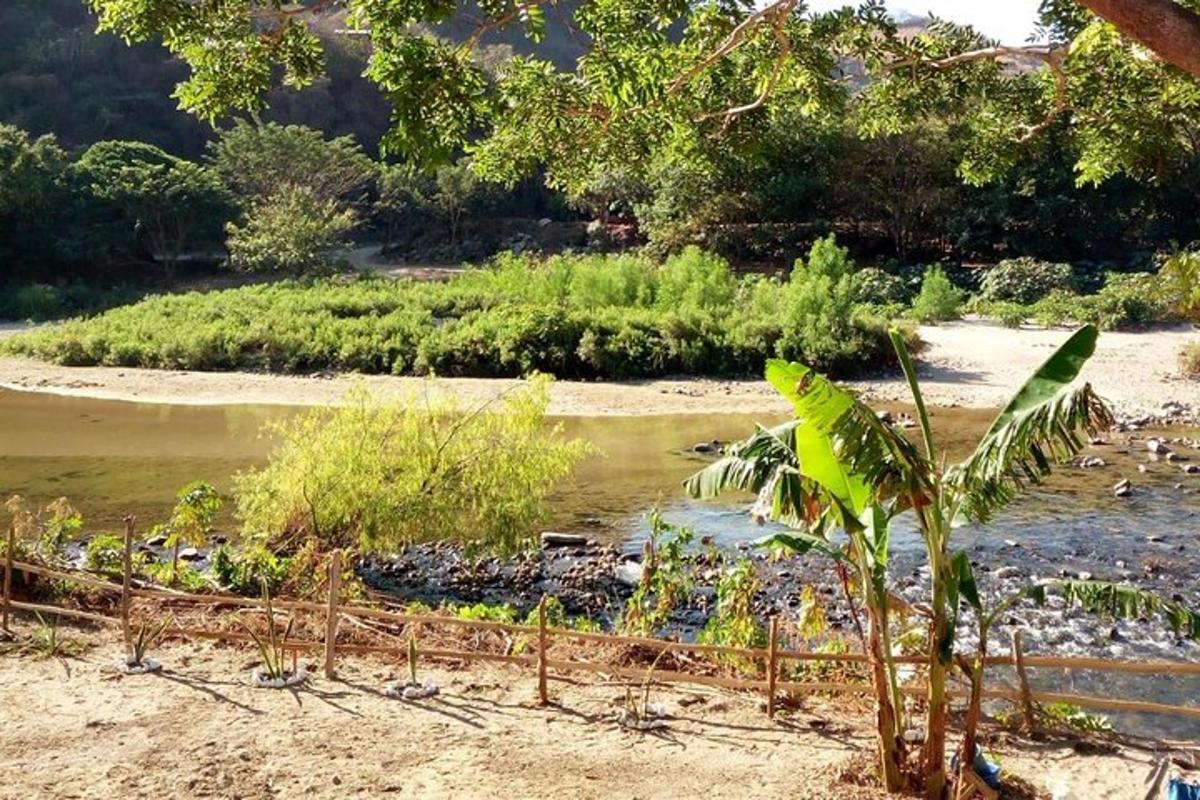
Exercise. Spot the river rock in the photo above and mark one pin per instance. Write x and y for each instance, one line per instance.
(556, 539)
(1190, 469)
(704, 447)
(1090, 462)
(1005, 573)
(190, 554)
(1157, 446)
(157, 541)
(1123, 488)
(629, 573)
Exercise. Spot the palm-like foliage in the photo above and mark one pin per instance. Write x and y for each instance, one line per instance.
(1041, 424)
(838, 464)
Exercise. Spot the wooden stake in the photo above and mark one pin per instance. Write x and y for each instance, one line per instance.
(543, 697)
(331, 613)
(8, 570)
(772, 667)
(126, 585)
(1027, 712)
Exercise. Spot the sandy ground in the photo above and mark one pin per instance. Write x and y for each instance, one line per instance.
(75, 729)
(969, 363)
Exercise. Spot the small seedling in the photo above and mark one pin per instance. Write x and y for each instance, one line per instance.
(643, 715)
(273, 674)
(148, 635)
(413, 689)
(46, 642)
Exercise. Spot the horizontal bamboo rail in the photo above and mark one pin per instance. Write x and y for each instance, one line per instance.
(38, 608)
(539, 634)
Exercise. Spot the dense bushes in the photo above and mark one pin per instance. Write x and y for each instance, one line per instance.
(1125, 301)
(582, 317)
(1024, 280)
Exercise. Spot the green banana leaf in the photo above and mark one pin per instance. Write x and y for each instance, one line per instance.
(1040, 425)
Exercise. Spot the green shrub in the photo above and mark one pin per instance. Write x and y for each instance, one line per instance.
(1061, 307)
(293, 231)
(1024, 280)
(939, 300)
(375, 476)
(694, 279)
(1127, 300)
(734, 623)
(35, 301)
(823, 326)
(244, 572)
(876, 287)
(105, 553)
(1008, 314)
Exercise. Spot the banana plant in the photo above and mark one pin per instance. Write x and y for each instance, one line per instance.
(837, 464)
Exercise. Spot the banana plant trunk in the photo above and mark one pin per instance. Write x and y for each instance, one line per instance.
(891, 754)
(938, 711)
(974, 712)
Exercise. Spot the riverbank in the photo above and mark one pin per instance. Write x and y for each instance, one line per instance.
(971, 363)
(74, 728)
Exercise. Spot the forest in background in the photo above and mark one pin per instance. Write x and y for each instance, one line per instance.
(892, 200)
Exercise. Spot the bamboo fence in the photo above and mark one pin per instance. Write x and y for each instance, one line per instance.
(540, 635)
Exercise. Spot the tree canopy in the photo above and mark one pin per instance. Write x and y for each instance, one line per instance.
(670, 74)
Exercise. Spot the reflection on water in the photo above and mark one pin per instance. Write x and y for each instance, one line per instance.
(113, 458)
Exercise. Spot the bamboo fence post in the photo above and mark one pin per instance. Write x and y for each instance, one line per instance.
(772, 666)
(126, 585)
(331, 613)
(543, 697)
(1026, 696)
(8, 570)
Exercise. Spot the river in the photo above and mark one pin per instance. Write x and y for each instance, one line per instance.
(113, 458)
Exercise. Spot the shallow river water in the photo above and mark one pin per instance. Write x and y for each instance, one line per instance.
(113, 458)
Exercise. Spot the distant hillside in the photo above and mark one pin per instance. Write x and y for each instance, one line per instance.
(57, 76)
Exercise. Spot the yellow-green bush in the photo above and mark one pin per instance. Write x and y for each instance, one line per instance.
(375, 475)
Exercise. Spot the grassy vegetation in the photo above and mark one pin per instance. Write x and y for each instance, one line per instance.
(573, 316)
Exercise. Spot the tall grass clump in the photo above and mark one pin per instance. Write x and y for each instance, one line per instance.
(374, 475)
(594, 316)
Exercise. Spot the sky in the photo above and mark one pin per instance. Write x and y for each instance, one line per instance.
(1010, 21)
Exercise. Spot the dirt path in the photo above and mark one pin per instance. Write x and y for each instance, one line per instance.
(74, 729)
(969, 363)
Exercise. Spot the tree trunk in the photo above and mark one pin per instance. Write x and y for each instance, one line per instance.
(1164, 26)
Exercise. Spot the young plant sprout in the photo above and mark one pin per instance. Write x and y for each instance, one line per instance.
(643, 715)
(413, 689)
(273, 674)
(148, 635)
